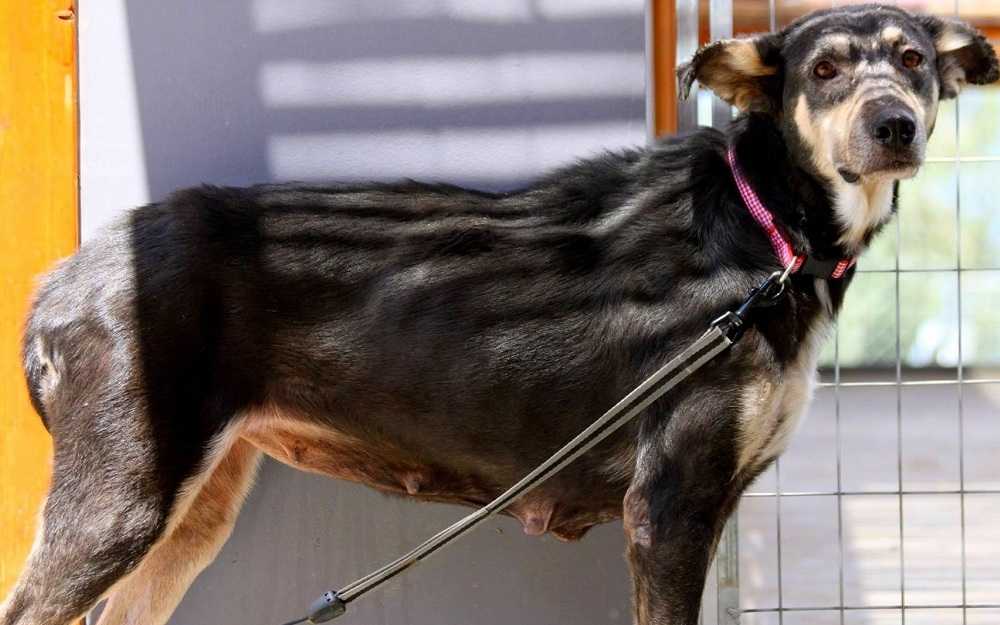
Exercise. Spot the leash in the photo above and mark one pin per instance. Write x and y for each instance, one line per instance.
(721, 334)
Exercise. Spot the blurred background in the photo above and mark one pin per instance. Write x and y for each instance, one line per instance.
(888, 496)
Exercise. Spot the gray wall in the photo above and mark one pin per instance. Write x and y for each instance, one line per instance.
(471, 92)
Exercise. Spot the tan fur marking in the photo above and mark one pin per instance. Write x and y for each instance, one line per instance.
(839, 41)
(804, 124)
(151, 593)
(317, 449)
(729, 71)
(742, 56)
(217, 452)
(860, 207)
(773, 406)
(826, 136)
(893, 34)
(951, 39)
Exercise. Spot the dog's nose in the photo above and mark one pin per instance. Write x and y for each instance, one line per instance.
(894, 129)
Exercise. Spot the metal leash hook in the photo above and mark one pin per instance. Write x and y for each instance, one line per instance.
(767, 293)
(327, 608)
(721, 334)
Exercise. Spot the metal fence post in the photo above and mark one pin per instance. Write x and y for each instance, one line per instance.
(687, 45)
(728, 554)
(728, 569)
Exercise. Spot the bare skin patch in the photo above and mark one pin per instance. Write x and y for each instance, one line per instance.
(534, 516)
(319, 449)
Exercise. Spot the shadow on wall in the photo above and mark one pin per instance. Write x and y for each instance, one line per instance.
(485, 94)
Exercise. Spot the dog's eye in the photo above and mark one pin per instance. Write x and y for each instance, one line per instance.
(825, 70)
(912, 59)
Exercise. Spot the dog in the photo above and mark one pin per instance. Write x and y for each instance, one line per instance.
(438, 343)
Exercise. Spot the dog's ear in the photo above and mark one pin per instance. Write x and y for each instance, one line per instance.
(744, 72)
(964, 54)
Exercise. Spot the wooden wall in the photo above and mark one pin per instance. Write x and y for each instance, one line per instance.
(38, 224)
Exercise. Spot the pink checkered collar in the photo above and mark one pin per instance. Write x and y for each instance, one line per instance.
(782, 248)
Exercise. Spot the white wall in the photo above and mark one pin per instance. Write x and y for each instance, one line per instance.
(480, 93)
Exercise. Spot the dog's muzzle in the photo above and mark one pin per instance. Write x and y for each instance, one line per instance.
(887, 138)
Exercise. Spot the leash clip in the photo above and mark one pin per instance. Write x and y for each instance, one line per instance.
(734, 322)
(773, 287)
(767, 293)
(788, 271)
(326, 608)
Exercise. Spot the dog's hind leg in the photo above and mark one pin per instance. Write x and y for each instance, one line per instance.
(98, 522)
(127, 440)
(150, 594)
(111, 522)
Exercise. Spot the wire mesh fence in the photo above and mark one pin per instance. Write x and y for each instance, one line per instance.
(883, 509)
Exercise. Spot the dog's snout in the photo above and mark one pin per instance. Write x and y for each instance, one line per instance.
(891, 123)
(886, 136)
(894, 129)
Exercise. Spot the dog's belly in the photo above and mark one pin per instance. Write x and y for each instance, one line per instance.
(560, 506)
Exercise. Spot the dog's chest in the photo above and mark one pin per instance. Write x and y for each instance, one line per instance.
(773, 403)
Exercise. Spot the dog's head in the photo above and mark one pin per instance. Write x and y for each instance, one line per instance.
(855, 89)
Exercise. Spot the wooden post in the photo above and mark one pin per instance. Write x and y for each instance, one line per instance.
(38, 224)
(664, 62)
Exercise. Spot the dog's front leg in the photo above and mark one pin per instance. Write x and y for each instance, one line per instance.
(683, 490)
